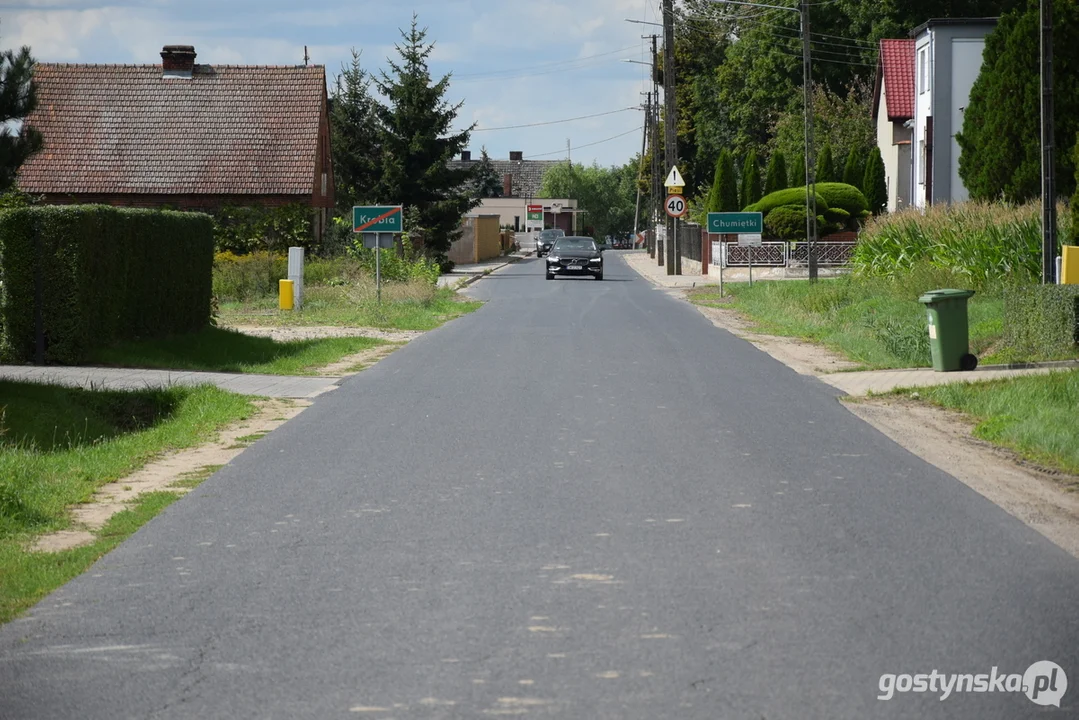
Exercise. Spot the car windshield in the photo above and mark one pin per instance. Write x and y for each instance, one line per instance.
(551, 234)
(565, 244)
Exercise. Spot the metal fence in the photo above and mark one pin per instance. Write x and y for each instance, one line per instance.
(780, 253)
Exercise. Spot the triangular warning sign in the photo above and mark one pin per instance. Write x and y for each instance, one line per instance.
(674, 179)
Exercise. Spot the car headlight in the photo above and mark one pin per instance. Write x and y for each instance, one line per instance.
(552, 258)
(596, 260)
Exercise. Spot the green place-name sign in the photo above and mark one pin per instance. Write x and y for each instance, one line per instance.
(377, 218)
(732, 223)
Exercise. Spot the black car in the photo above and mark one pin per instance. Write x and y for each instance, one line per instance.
(575, 256)
(545, 239)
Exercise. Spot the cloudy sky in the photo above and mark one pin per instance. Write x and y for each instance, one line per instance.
(513, 62)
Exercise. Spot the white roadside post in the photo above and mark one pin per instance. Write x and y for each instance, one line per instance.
(295, 274)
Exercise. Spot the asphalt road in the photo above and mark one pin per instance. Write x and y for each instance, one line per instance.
(582, 501)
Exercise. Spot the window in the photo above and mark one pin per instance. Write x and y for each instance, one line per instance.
(923, 70)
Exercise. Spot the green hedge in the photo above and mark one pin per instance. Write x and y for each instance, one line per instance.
(1041, 321)
(108, 274)
(841, 195)
(790, 196)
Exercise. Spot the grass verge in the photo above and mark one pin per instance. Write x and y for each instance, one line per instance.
(1034, 416)
(222, 350)
(58, 445)
(404, 307)
(876, 322)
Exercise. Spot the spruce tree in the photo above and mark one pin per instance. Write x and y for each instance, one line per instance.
(750, 191)
(355, 138)
(853, 172)
(776, 177)
(18, 98)
(874, 185)
(487, 183)
(418, 143)
(1000, 141)
(825, 165)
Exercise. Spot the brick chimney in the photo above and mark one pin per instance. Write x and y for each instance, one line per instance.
(177, 61)
(466, 156)
(517, 155)
(507, 185)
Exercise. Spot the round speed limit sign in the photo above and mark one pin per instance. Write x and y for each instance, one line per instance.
(676, 206)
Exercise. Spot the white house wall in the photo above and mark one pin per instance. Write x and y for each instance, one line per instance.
(888, 150)
(923, 109)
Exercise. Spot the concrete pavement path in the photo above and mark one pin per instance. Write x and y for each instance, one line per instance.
(581, 501)
(281, 386)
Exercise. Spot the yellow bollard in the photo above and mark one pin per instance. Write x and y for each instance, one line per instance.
(1069, 265)
(284, 294)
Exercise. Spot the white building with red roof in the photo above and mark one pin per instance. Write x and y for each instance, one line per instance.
(893, 108)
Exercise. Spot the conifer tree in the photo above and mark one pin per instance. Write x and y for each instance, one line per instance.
(355, 138)
(825, 165)
(853, 172)
(418, 143)
(1000, 141)
(776, 176)
(874, 185)
(18, 98)
(750, 191)
(724, 194)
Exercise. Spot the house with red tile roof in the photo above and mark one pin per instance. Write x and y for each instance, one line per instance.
(893, 110)
(183, 136)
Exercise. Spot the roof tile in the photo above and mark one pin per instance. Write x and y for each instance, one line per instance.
(120, 129)
(897, 58)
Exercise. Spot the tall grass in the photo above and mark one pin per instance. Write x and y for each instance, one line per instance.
(988, 244)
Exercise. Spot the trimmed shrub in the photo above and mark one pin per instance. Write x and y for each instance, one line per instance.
(841, 195)
(788, 222)
(790, 196)
(1041, 321)
(838, 216)
(107, 274)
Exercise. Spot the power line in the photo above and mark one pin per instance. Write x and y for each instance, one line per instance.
(578, 147)
(552, 63)
(554, 122)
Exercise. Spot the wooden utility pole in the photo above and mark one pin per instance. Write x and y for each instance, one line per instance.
(640, 167)
(670, 123)
(657, 157)
(1049, 205)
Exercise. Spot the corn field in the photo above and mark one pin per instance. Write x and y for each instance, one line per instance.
(985, 243)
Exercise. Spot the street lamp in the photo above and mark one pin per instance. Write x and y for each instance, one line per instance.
(807, 81)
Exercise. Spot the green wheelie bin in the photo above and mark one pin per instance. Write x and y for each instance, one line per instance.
(949, 341)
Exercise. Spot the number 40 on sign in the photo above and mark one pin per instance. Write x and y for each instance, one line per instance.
(676, 206)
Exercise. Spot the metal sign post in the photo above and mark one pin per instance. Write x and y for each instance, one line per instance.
(378, 224)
